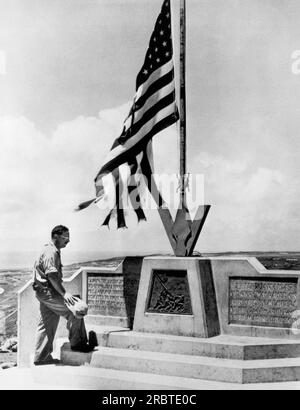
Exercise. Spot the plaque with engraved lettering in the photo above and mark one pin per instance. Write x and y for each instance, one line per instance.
(262, 301)
(105, 294)
(169, 292)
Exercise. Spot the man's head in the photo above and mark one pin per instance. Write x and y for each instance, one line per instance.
(60, 236)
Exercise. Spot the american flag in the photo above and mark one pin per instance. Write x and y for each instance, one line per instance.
(153, 109)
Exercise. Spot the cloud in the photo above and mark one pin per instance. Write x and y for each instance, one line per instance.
(262, 184)
(238, 180)
(251, 205)
(43, 178)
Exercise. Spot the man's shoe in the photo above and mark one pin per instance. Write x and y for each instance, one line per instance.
(92, 338)
(84, 348)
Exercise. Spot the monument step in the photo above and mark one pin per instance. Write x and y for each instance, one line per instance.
(87, 377)
(103, 331)
(196, 367)
(51, 377)
(223, 346)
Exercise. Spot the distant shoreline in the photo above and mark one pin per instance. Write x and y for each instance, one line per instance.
(26, 268)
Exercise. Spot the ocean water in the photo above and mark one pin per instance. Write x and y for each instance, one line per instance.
(25, 260)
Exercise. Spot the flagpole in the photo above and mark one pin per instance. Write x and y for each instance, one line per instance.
(182, 102)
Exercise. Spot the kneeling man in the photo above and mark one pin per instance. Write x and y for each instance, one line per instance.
(54, 300)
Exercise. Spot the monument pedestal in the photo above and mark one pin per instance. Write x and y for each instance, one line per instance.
(177, 296)
(201, 297)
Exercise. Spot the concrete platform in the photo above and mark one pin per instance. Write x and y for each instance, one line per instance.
(187, 366)
(223, 346)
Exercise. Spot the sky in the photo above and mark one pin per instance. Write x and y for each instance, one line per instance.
(67, 77)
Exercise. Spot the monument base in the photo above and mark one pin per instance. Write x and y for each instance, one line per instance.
(205, 297)
(177, 296)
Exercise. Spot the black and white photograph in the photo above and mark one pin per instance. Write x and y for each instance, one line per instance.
(149, 197)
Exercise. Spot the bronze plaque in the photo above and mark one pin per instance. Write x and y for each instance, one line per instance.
(105, 294)
(169, 292)
(262, 302)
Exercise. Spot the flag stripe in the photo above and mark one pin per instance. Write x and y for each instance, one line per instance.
(156, 75)
(160, 93)
(134, 149)
(147, 172)
(118, 186)
(143, 133)
(153, 87)
(141, 138)
(119, 202)
(133, 189)
(150, 114)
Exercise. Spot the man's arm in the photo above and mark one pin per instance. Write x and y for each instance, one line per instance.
(57, 284)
